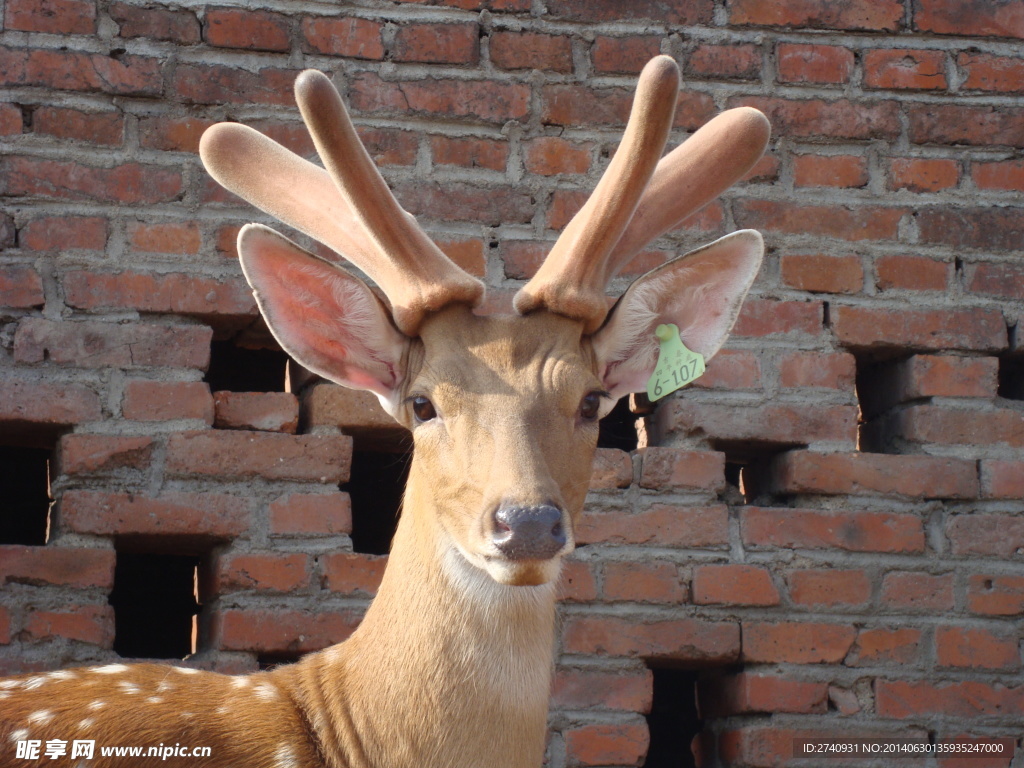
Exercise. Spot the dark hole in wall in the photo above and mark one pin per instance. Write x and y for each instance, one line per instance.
(376, 484)
(240, 369)
(1011, 378)
(24, 495)
(618, 428)
(673, 720)
(272, 660)
(154, 601)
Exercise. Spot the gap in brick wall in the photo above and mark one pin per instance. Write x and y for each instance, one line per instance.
(618, 428)
(267, 661)
(242, 369)
(1011, 378)
(747, 472)
(25, 490)
(376, 484)
(156, 602)
(877, 388)
(673, 720)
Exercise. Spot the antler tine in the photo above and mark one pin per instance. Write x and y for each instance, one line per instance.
(692, 175)
(573, 277)
(412, 271)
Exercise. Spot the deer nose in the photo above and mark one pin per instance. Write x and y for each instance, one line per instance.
(529, 533)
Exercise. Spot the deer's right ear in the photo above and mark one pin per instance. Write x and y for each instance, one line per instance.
(327, 319)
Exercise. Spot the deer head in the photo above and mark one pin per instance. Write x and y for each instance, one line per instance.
(503, 409)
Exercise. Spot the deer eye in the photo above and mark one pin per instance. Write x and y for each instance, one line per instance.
(590, 406)
(423, 409)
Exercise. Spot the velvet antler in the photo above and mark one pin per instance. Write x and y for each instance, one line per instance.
(640, 198)
(348, 207)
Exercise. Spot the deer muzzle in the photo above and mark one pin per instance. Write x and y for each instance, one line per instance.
(529, 532)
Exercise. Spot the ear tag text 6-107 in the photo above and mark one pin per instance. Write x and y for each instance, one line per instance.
(677, 366)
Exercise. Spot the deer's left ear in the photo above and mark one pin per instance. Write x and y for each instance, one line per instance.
(700, 292)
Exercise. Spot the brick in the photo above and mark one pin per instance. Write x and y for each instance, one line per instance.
(281, 630)
(990, 229)
(388, 147)
(77, 567)
(437, 43)
(915, 273)
(986, 72)
(659, 525)
(973, 18)
(843, 171)
(995, 595)
(854, 223)
(684, 12)
(57, 17)
(924, 477)
(917, 592)
(728, 62)
(816, 118)
(10, 120)
(156, 23)
(905, 68)
(263, 572)
(224, 453)
(311, 513)
(460, 202)
(606, 743)
(5, 627)
(1002, 280)
(829, 370)
(130, 183)
(923, 174)
(469, 152)
(354, 572)
(83, 454)
(770, 317)
(580, 105)
(884, 645)
(21, 287)
(821, 273)
(748, 693)
(96, 344)
(531, 50)
(348, 37)
(222, 84)
(103, 128)
(976, 649)
(1004, 175)
(675, 639)
(968, 699)
(263, 411)
(865, 15)
(978, 329)
(467, 254)
(672, 469)
(628, 690)
(176, 237)
(481, 100)
(565, 204)
(922, 424)
(249, 30)
(643, 583)
(774, 424)
(64, 233)
(36, 406)
(201, 516)
(577, 582)
(946, 376)
(551, 155)
(731, 369)
(820, 64)
(849, 531)
(522, 258)
(355, 412)
(797, 642)
(93, 624)
(1002, 479)
(64, 70)
(952, 124)
(167, 400)
(829, 587)
(624, 55)
(612, 469)
(733, 584)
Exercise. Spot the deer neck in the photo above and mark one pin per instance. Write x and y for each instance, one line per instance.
(448, 667)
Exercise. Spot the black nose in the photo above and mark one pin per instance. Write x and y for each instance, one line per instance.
(529, 533)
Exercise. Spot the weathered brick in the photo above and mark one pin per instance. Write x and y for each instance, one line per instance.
(222, 84)
(202, 516)
(469, 152)
(11, 120)
(991, 229)
(850, 531)
(683, 12)
(78, 567)
(976, 648)
(673, 469)
(779, 424)
(264, 572)
(821, 273)
(1003, 175)
(729, 62)
(953, 124)
(281, 631)
(263, 411)
(846, 171)
(103, 128)
(612, 468)
(660, 525)
(155, 22)
(461, 202)
(577, 582)
(624, 54)
(966, 699)
(905, 68)
(917, 592)
(733, 584)
(167, 400)
(64, 232)
(995, 595)
(915, 273)
(387, 147)
(1002, 280)
(922, 424)
(643, 582)
(975, 17)
(675, 639)
(606, 743)
(551, 155)
(437, 43)
(829, 587)
(83, 454)
(1002, 479)
(531, 50)
(353, 411)
(311, 513)
(770, 317)
(354, 572)
(863, 15)
(836, 370)
(39, 406)
(816, 118)
(986, 72)
(748, 693)
(797, 642)
(21, 287)
(854, 223)
(923, 174)
(250, 30)
(93, 624)
(57, 17)
(475, 99)
(978, 329)
(65, 70)
(885, 645)
(628, 690)
(825, 64)
(130, 183)
(228, 453)
(340, 36)
(580, 105)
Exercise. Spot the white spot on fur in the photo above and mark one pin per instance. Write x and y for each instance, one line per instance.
(188, 714)
(42, 717)
(242, 681)
(4, 694)
(154, 700)
(33, 682)
(98, 704)
(61, 674)
(223, 709)
(285, 757)
(19, 735)
(265, 692)
(86, 723)
(9, 683)
(110, 669)
(186, 670)
(127, 687)
(163, 686)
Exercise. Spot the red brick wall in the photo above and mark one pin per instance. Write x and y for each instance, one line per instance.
(866, 579)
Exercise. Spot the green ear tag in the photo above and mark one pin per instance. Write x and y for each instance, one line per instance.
(677, 366)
